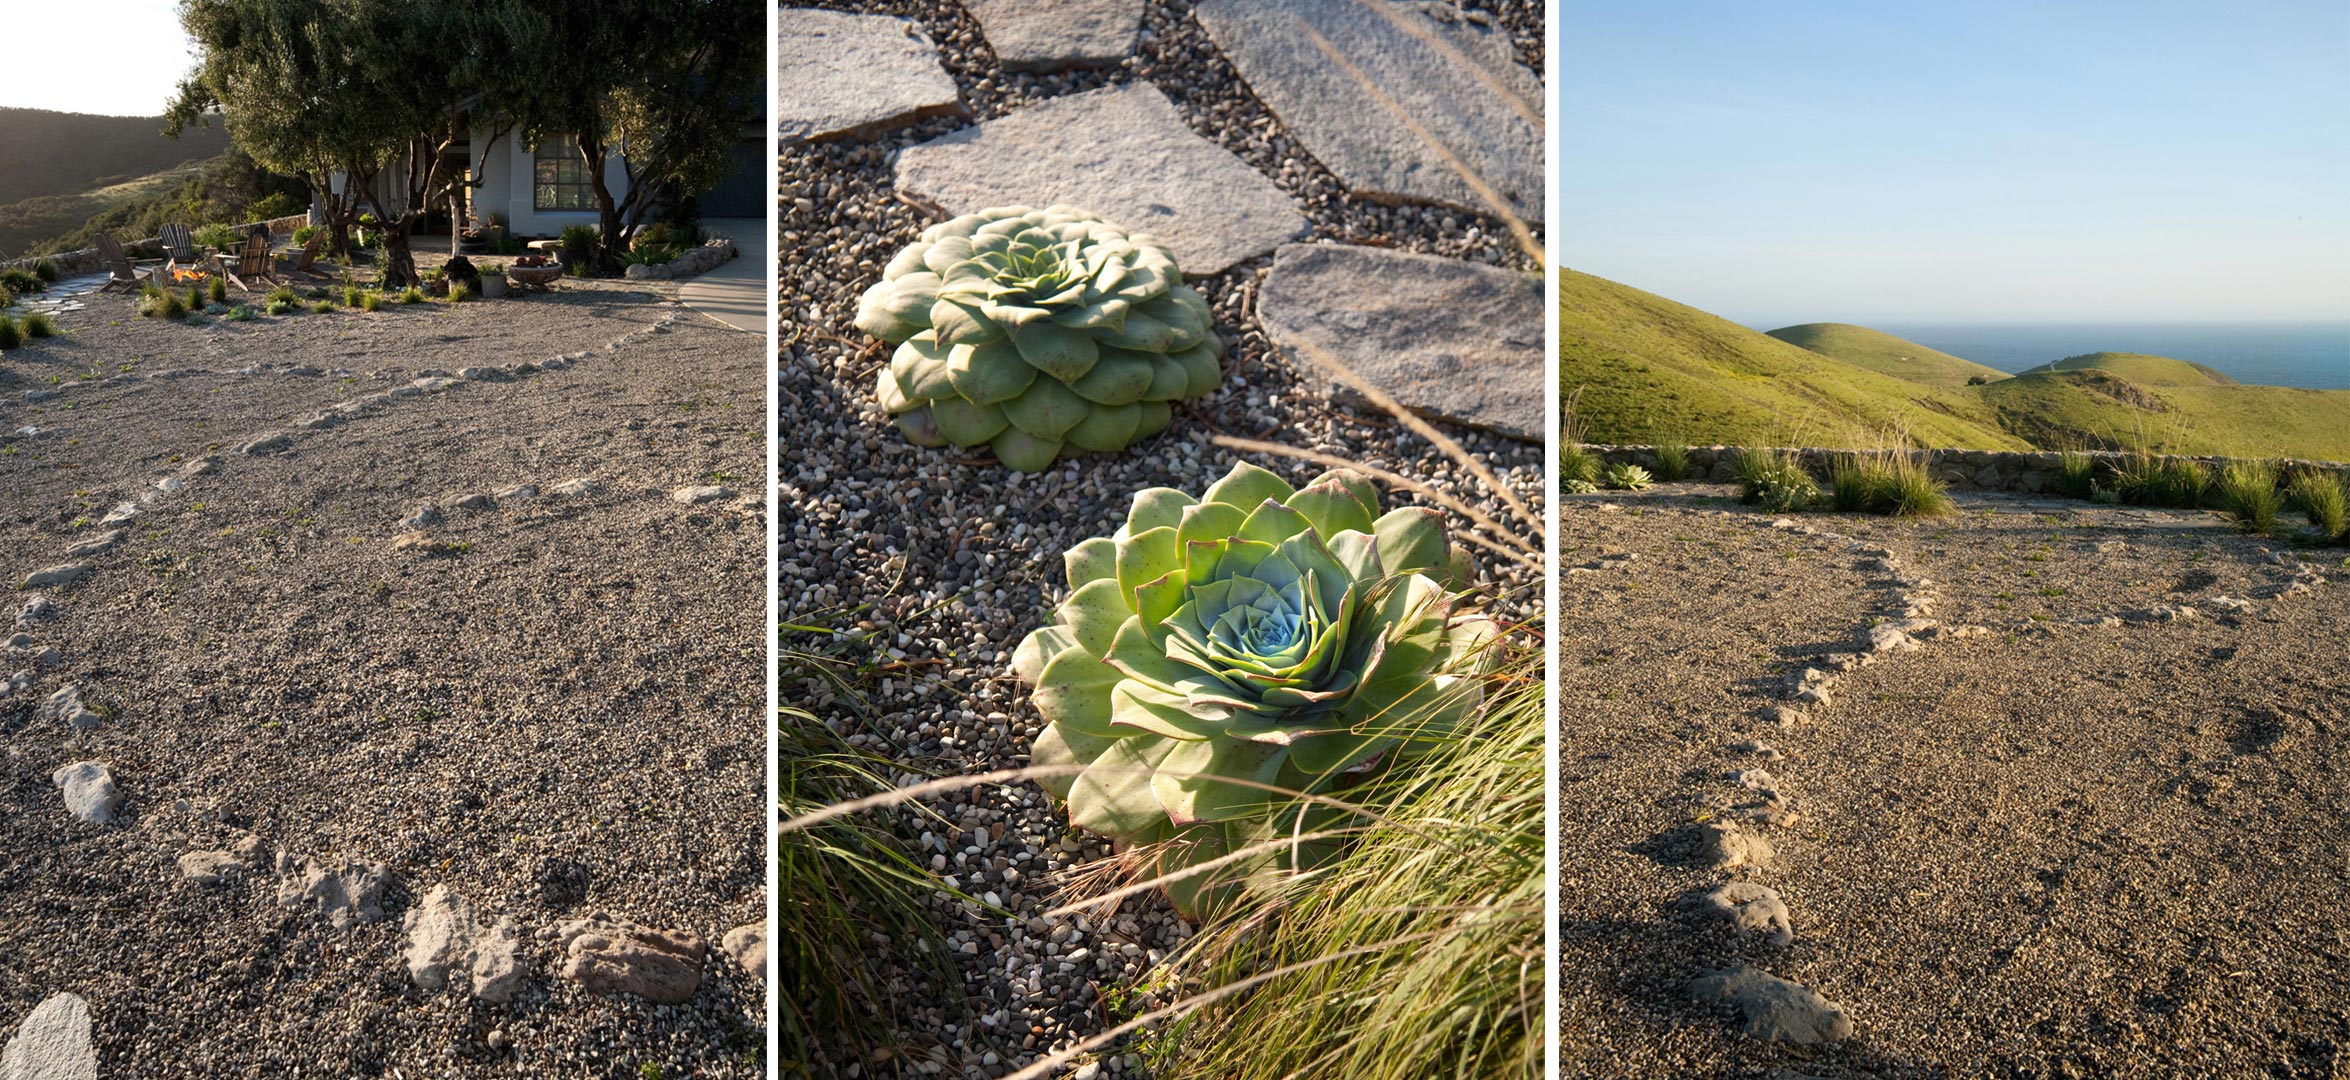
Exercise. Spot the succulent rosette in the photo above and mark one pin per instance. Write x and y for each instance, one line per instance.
(1038, 333)
(1219, 651)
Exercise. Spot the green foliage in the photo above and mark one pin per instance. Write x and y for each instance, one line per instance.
(1622, 477)
(217, 290)
(219, 237)
(2148, 479)
(2076, 473)
(11, 336)
(1039, 333)
(351, 295)
(1775, 480)
(1672, 462)
(412, 295)
(322, 307)
(1259, 637)
(198, 296)
(275, 205)
(2248, 492)
(580, 243)
(2323, 498)
(281, 307)
(303, 233)
(458, 293)
(240, 313)
(1896, 483)
(164, 304)
(20, 280)
(282, 292)
(1415, 954)
(371, 300)
(38, 325)
(1881, 352)
(1577, 486)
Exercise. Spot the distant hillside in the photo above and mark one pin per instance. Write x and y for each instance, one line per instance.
(54, 153)
(224, 189)
(1649, 368)
(1882, 352)
(2141, 369)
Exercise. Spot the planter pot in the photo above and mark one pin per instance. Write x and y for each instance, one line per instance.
(493, 286)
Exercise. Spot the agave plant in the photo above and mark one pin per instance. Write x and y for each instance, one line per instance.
(1039, 333)
(1625, 477)
(1216, 652)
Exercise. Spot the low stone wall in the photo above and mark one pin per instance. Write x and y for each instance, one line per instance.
(86, 260)
(2030, 472)
(713, 252)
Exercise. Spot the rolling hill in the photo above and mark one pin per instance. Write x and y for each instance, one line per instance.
(55, 153)
(1882, 352)
(1643, 368)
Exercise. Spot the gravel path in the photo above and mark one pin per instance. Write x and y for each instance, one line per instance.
(932, 566)
(2097, 836)
(546, 702)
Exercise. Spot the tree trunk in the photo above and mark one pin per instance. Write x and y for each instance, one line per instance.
(399, 266)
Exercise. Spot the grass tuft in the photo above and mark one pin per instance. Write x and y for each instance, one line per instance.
(1576, 464)
(322, 307)
(39, 325)
(1672, 462)
(371, 300)
(2076, 473)
(412, 295)
(1775, 480)
(217, 289)
(281, 307)
(458, 293)
(2248, 492)
(1896, 483)
(2148, 479)
(11, 335)
(2324, 499)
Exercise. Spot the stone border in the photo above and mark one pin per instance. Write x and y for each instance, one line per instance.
(709, 255)
(2026, 472)
(86, 261)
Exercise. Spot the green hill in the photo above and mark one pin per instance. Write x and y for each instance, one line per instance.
(1882, 352)
(1649, 369)
(226, 188)
(2141, 369)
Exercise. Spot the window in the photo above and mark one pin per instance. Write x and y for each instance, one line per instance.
(562, 180)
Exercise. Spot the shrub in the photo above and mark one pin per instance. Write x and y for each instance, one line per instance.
(2323, 498)
(282, 292)
(164, 304)
(1289, 637)
(1775, 480)
(2248, 492)
(21, 281)
(412, 295)
(39, 325)
(217, 236)
(1672, 462)
(1624, 477)
(240, 313)
(10, 335)
(579, 244)
(2076, 473)
(1911, 489)
(281, 307)
(351, 295)
(217, 289)
(1052, 332)
(2148, 479)
(322, 307)
(198, 296)
(45, 270)
(1897, 483)
(303, 233)
(458, 293)
(270, 207)
(1856, 483)
(371, 300)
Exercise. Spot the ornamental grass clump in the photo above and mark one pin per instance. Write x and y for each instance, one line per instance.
(1039, 333)
(2323, 498)
(1672, 462)
(2249, 493)
(1895, 483)
(1775, 480)
(10, 336)
(1218, 656)
(38, 325)
(2076, 474)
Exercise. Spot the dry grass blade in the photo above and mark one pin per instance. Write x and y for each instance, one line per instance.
(942, 785)
(1262, 847)
(1522, 552)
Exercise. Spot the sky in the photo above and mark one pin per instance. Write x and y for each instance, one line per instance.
(1804, 161)
(109, 57)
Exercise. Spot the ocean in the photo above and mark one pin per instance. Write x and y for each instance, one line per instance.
(2310, 355)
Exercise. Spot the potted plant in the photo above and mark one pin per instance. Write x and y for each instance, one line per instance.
(493, 282)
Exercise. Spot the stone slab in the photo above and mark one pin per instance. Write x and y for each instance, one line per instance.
(1454, 74)
(52, 1043)
(1446, 339)
(1121, 152)
(1049, 35)
(840, 74)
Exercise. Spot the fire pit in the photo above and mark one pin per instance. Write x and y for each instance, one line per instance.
(533, 277)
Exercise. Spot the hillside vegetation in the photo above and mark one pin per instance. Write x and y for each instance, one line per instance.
(1646, 369)
(55, 153)
(225, 189)
(1882, 352)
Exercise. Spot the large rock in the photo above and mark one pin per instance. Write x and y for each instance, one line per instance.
(446, 938)
(611, 955)
(53, 1043)
(344, 893)
(1456, 76)
(89, 790)
(61, 574)
(1121, 152)
(1444, 338)
(1774, 1008)
(747, 944)
(855, 74)
(1048, 35)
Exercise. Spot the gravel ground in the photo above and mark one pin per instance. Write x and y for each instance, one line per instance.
(555, 715)
(2061, 847)
(933, 566)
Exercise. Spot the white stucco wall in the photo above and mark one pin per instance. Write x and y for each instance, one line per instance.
(506, 189)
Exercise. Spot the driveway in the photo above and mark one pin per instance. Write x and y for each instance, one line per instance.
(735, 294)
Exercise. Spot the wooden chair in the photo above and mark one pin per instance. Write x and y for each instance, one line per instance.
(179, 244)
(253, 264)
(303, 260)
(122, 272)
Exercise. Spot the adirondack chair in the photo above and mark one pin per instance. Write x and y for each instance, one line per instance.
(302, 261)
(252, 264)
(122, 271)
(179, 244)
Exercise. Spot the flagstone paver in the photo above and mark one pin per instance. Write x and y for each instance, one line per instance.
(855, 74)
(1121, 152)
(1048, 35)
(1452, 73)
(1449, 339)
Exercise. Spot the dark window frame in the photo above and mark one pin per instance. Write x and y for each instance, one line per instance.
(559, 181)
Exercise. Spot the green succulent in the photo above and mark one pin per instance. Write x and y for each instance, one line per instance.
(1294, 638)
(1624, 477)
(1039, 333)
(1578, 487)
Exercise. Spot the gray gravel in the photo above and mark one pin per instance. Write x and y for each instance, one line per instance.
(2042, 839)
(934, 565)
(553, 712)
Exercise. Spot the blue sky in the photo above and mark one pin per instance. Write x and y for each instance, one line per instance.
(1803, 161)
